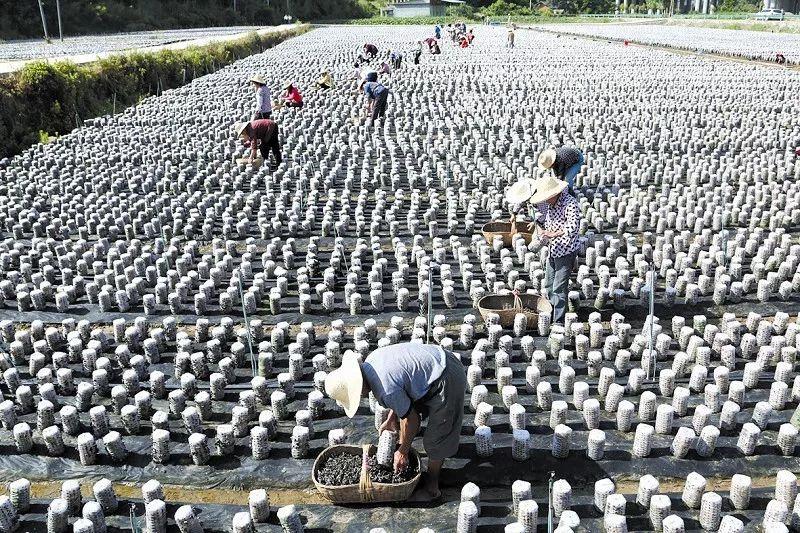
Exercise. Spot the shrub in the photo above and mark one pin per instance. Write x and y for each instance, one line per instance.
(44, 99)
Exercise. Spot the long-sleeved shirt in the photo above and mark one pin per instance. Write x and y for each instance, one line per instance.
(263, 100)
(564, 216)
(373, 89)
(293, 95)
(565, 158)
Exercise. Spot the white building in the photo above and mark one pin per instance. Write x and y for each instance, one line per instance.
(420, 8)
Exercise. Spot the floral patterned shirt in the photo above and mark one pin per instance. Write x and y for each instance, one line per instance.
(564, 216)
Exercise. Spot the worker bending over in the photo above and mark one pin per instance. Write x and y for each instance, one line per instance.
(565, 162)
(558, 226)
(377, 99)
(261, 135)
(414, 381)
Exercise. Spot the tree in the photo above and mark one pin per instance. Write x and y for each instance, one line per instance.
(501, 8)
(462, 11)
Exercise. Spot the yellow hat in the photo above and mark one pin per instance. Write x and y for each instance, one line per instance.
(345, 384)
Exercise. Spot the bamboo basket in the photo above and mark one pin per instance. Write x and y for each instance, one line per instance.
(507, 230)
(508, 305)
(244, 161)
(365, 491)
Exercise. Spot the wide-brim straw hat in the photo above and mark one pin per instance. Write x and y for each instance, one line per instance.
(287, 84)
(546, 188)
(239, 127)
(521, 191)
(547, 159)
(259, 79)
(345, 384)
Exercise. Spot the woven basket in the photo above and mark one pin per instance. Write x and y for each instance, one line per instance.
(503, 228)
(508, 305)
(365, 491)
(244, 161)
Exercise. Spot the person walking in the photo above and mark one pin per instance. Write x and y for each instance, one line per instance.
(415, 382)
(377, 98)
(565, 162)
(263, 98)
(260, 135)
(558, 222)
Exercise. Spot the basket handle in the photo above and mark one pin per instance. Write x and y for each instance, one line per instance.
(365, 483)
(513, 223)
(517, 301)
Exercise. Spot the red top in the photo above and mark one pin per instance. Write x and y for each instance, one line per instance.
(293, 95)
(263, 129)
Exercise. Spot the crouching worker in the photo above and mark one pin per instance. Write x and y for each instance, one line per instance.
(377, 96)
(261, 135)
(414, 381)
(325, 81)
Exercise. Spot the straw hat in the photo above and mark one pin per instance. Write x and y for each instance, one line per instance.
(239, 127)
(521, 191)
(259, 79)
(547, 159)
(546, 188)
(345, 384)
(287, 84)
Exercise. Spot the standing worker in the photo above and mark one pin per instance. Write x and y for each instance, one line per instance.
(263, 98)
(377, 98)
(565, 162)
(437, 31)
(417, 52)
(510, 38)
(261, 134)
(414, 381)
(292, 97)
(559, 224)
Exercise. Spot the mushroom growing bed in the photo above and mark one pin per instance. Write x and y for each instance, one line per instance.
(131, 247)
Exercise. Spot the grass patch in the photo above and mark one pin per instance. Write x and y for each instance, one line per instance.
(44, 100)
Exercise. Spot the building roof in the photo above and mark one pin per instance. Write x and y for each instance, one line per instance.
(400, 3)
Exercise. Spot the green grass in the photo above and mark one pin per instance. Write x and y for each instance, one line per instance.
(44, 100)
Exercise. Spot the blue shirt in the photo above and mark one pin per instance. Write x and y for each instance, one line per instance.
(373, 89)
(400, 374)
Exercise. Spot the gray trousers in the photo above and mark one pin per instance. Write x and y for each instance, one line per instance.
(557, 283)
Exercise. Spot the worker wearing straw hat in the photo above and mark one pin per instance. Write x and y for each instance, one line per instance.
(565, 162)
(292, 96)
(559, 224)
(414, 381)
(260, 135)
(325, 80)
(263, 98)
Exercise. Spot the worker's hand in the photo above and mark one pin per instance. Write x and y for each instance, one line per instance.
(390, 424)
(400, 461)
